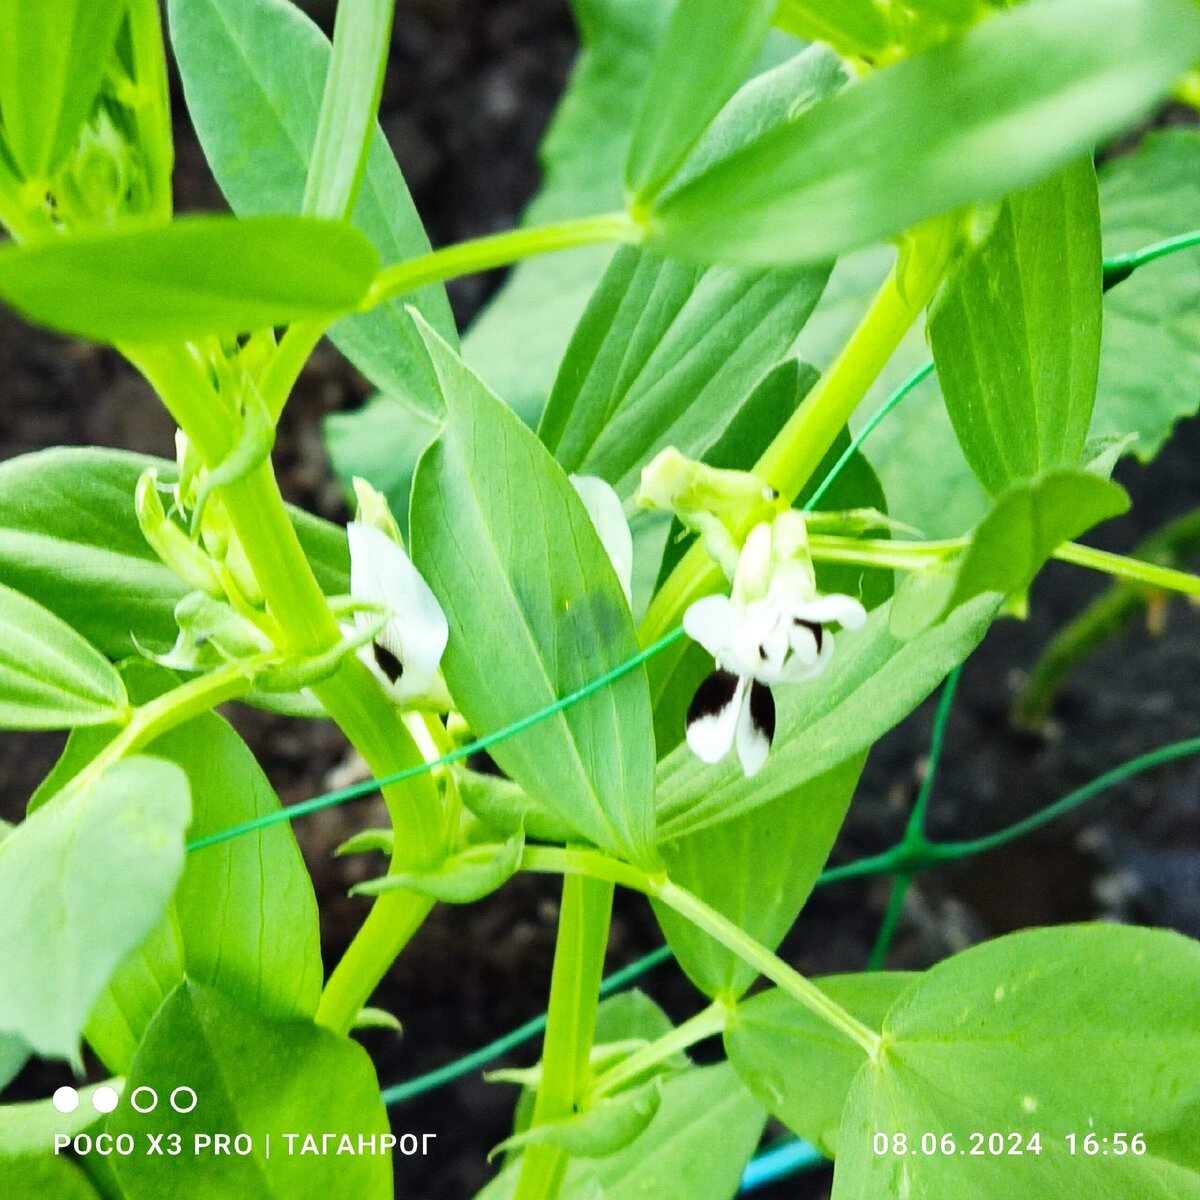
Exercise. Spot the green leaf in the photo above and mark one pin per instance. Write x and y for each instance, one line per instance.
(630, 1016)
(244, 918)
(758, 870)
(581, 157)
(849, 26)
(601, 1130)
(1150, 354)
(44, 1176)
(704, 56)
(463, 878)
(264, 1079)
(194, 277)
(69, 539)
(1010, 545)
(658, 356)
(52, 62)
(798, 1066)
(874, 681)
(1015, 98)
(92, 874)
(257, 120)
(29, 1129)
(1023, 1035)
(695, 1148)
(14, 1054)
(535, 611)
(1016, 333)
(50, 678)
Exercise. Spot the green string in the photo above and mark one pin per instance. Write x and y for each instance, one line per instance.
(369, 786)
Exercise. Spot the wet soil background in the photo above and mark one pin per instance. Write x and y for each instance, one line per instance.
(470, 87)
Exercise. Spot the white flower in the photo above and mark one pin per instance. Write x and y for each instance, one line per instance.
(770, 631)
(407, 651)
(604, 507)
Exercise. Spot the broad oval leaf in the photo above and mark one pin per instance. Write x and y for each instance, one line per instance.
(244, 917)
(257, 119)
(261, 1078)
(1016, 332)
(705, 54)
(194, 277)
(757, 869)
(535, 611)
(27, 1129)
(50, 678)
(52, 62)
(798, 1066)
(1015, 98)
(874, 681)
(70, 540)
(92, 874)
(1021, 1035)
(44, 1175)
(849, 26)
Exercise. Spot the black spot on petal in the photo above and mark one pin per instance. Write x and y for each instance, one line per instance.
(712, 696)
(388, 663)
(813, 628)
(762, 710)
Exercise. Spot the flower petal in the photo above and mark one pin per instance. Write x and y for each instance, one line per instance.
(755, 728)
(604, 507)
(709, 621)
(712, 716)
(845, 610)
(416, 631)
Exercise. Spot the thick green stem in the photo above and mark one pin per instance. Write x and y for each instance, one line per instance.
(571, 1024)
(1132, 569)
(553, 861)
(499, 250)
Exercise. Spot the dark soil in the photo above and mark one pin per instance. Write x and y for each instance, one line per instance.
(468, 93)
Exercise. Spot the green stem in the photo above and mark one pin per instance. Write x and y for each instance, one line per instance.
(499, 250)
(555, 861)
(705, 1024)
(351, 696)
(891, 918)
(1132, 569)
(571, 1025)
(164, 713)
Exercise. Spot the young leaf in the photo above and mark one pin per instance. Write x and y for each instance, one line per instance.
(197, 276)
(257, 120)
(658, 356)
(873, 682)
(1016, 333)
(122, 839)
(1021, 1035)
(463, 878)
(1015, 98)
(52, 62)
(1010, 545)
(1150, 354)
(602, 1130)
(535, 611)
(69, 539)
(756, 869)
(795, 1063)
(50, 678)
(262, 1078)
(705, 55)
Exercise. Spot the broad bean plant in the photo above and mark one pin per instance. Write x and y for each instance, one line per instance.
(635, 534)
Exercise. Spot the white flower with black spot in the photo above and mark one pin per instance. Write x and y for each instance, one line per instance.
(772, 630)
(407, 651)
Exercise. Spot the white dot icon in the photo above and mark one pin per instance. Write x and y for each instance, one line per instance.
(65, 1099)
(104, 1099)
